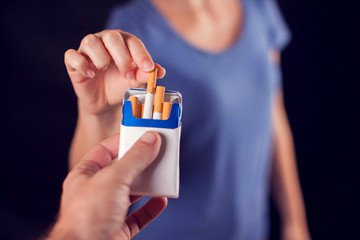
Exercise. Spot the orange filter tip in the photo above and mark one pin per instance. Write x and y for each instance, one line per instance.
(166, 110)
(134, 106)
(152, 81)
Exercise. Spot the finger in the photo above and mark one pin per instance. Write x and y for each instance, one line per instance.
(142, 77)
(93, 47)
(117, 48)
(77, 63)
(161, 71)
(140, 155)
(139, 53)
(98, 157)
(146, 214)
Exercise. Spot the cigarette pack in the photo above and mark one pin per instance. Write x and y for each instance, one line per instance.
(161, 178)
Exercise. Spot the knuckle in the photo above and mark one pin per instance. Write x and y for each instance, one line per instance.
(136, 41)
(125, 64)
(88, 168)
(112, 37)
(142, 150)
(102, 66)
(66, 182)
(104, 31)
(89, 40)
(68, 54)
(132, 37)
(77, 64)
(123, 181)
(105, 62)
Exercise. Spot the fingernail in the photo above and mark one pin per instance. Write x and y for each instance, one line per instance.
(130, 76)
(90, 73)
(148, 66)
(149, 138)
(164, 73)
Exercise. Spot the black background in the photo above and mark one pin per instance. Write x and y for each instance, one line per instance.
(321, 85)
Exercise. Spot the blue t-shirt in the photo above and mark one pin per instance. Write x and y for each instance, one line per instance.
(226, 140)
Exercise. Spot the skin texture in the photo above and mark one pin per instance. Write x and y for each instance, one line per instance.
(95, 198)
(198, 22)
(285, 180)
(201, 22)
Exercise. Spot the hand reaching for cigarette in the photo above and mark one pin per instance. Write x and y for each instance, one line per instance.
(95, 197)
(105, 65)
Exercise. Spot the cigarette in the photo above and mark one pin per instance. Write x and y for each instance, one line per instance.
(149, 97)
(141, 106)
(134, 106)
(159, 99)
(166, 110)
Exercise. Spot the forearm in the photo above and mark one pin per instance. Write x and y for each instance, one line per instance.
(92, 129)
(285, 180)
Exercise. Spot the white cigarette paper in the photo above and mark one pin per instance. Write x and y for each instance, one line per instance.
(157, 115)
(148, 106)
(149, 97)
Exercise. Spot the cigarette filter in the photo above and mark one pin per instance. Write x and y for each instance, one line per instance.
(159, 99)
(134, 106)
(141, 109)
(166, 110)
(152, 81)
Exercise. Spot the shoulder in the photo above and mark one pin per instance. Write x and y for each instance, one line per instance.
(276, 25)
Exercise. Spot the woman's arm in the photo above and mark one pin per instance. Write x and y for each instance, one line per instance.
(285, 180)
(92, 129)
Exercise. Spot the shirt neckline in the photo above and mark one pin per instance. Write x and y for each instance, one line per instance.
(150, 8)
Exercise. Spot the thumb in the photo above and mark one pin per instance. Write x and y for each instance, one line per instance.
(140, 156)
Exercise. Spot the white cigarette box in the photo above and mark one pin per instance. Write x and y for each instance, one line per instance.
(161, 178)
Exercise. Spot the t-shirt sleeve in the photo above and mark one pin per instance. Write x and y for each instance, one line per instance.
(279, 32)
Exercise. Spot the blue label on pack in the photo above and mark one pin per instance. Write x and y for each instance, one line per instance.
(172, 122)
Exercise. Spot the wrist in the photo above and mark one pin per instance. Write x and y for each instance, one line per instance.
(295, 230)
(295, 219)
(105, 123)
(105, 115)
(91, 129)
(63, 231)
